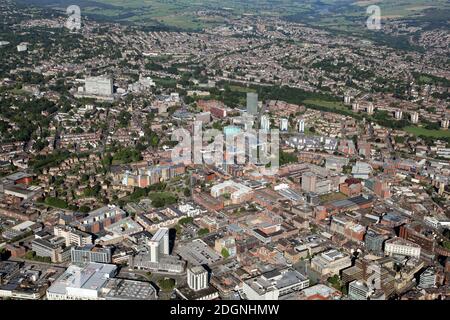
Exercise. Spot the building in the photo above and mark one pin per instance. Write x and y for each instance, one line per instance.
(274, 285)
(402, 247)
(314, 183)
(159, 244)
(143, 178)
(358, 290)
(309, 182)
(419, 234)
(22, 47)
(237, 192)
(361, 170)
(72, 236)
(330, 262)
(81, 283)
(197, 278)
(101, 86)
(301, 126)
(428, 278)
(158, 219)
(382, 188)
(252, 103)
(415, 117)
(90, 253)
(51, 247)
(226, 243)
(96, 220)
(374, 242)
(284, 124)
(265, 123)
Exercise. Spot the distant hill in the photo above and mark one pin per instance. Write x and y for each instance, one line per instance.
(336, 14)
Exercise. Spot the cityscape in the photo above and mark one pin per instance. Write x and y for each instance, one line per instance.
(273, 150)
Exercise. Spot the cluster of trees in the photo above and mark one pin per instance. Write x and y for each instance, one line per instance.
(56, 202)
(166, 284)
(162, 199)
(31, 255)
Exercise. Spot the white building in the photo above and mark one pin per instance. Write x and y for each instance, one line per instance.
(197, 278)
(330, 262)
(81, 283)
(274, 284)
(347, 100)
(415, 117)
(284, 123)
(265, 123)
(402, 247)
(100, 86)
(22, 47)
(159, 244)
(301, 126)
(237, 191)
(398, 114)
(72, 235)
(370, 108)
(358, 290)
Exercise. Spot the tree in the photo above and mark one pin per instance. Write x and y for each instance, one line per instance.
(202, 232)
(225, 253)
(166, 284)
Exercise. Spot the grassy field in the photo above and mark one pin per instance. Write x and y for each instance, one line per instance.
(335, 196)
(327, 104)
(418, 131)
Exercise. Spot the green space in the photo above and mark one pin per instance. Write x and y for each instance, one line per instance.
(329, 197)
(419, 131)
(166, 284)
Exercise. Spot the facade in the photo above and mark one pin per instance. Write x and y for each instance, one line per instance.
(402, 247)
(90, 253)
(197, 278)
(265, 123)
(358, 290)
(159, 244)
(301, 126)
(284, 124)
(51, 247)
(374, 242)
(428, 278)
(72, 236)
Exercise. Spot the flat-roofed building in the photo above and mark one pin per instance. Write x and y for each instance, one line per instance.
(402, 247)
(330, 262)
(102, 86)
(273, 285)
(72, 236)
(90, 253)
(81, 283)
(237, 192)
